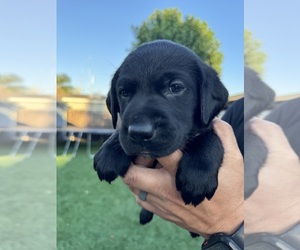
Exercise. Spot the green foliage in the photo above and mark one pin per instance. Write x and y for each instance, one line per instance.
(63, 86)
(189, 31)
(62, 79)
(10, 84)
(11, 79)
(253, 57)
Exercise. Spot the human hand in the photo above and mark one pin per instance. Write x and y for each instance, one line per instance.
(274, 206)
(223, 213)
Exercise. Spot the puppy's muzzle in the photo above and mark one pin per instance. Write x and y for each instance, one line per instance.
(141, 131)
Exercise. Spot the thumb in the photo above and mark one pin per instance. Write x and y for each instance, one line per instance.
(147, 179)
(272, 135)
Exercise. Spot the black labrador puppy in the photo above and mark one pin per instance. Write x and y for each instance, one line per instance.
(166, 97)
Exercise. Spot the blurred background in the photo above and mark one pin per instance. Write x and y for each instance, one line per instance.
(28, 125)
(271, 39)
(57, 60)
(272, 92)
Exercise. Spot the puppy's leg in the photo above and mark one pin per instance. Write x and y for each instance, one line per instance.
(194, 235)
(197, 175)
(111, 160)
(145, 216)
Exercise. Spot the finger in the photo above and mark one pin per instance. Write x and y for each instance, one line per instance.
(153, 204)
(144, 204)
(162, 202)
(232, 154)
(144, 161)
(225, 132)
(171, 161)
(146, 179)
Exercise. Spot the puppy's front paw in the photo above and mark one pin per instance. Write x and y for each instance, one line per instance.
(105, 165)
(197, 174)
(195, 184)
(111, 161)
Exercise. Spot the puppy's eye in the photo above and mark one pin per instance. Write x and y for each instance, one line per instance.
(176, 87)
(124, 93)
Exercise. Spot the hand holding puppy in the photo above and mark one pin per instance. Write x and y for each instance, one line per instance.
(274, 206)
(223, 213)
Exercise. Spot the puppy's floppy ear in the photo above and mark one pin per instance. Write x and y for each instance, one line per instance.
(112, 101)
(213, 94)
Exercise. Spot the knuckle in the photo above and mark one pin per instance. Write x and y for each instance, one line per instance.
(292, 157)
(226, 126)
(275, 128)
(130, 178)
(222, 128)
(138, 201)
(170, 195)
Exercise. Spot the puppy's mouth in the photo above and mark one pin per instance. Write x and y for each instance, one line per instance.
(150, 150)
(147, 154)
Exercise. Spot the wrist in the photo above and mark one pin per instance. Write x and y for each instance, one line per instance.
(272, 224)
(224, 241)
(287, 240)
(230, 224)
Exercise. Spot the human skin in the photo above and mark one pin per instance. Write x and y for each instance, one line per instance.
(274, 206)
(223, 213)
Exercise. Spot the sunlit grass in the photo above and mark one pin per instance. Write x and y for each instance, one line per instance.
(8, 160)
(63, 160)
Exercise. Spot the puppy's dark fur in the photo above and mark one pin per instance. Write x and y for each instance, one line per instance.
(166, 98)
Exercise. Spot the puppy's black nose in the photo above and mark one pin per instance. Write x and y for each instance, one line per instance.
(144, 131)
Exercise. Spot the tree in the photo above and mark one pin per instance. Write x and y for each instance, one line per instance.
(63, 86)
(253, 57)
(10, 84)
(189, 31)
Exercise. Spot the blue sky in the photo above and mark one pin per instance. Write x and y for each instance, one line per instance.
(28, 42)
(276, 24)
(93, 37)
(88, 39)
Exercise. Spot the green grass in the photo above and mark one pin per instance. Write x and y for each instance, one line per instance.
(27, 201)
(8, 160)
(93, 215)
(48, 203)
(63, 160)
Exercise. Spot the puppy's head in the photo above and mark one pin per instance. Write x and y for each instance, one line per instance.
(165, 95)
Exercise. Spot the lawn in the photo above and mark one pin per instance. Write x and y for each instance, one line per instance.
(27, 200)
(49, 203)
(93, 215)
